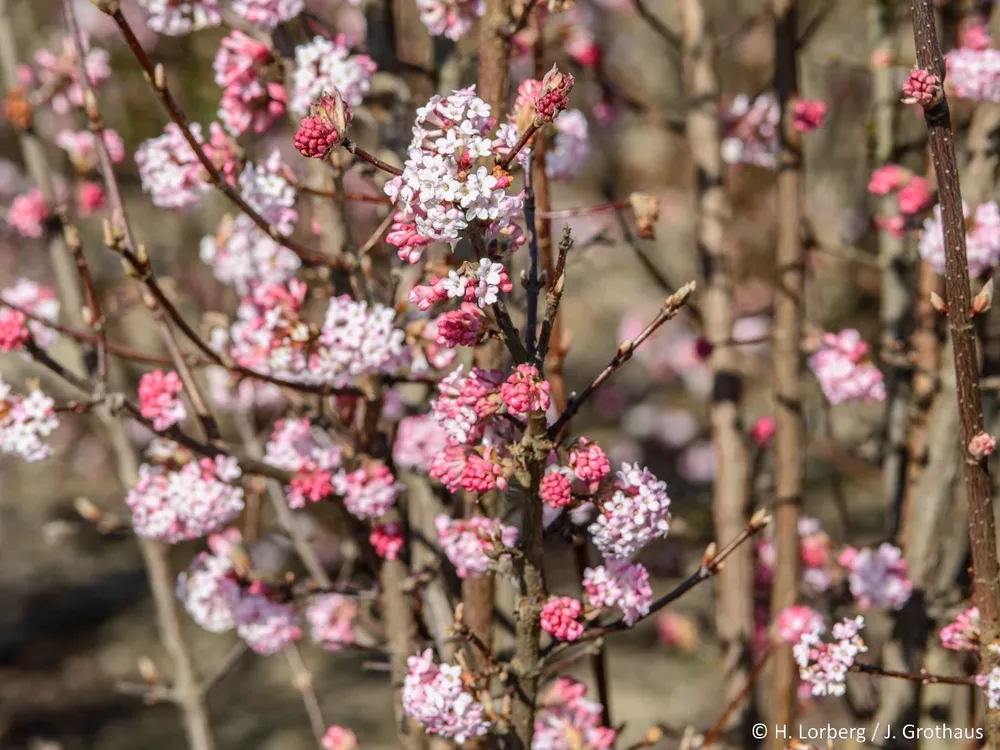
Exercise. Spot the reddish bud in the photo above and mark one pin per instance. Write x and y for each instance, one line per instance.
(983, 300)
(938, 304)
(325, 128)
(555, 95)
(17, 109)
(982, 445)
(922, 87)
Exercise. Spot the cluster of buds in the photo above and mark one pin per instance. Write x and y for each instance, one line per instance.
(554, 97)
(922, 87)
(325, 127)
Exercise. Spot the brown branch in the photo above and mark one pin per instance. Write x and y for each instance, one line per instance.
(356, 150)
(302, 679)
(982, 525)
(494, 56)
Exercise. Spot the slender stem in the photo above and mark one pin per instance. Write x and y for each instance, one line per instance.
(555, 284)
(671, 307)
(356, 150)
(923, 676)
(303, 680)
(745, 692)
(505, 161)
(569, 213)
(532, 283)
(789, 454)
(982, 525)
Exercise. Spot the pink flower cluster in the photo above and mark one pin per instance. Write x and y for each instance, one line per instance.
(982, 239)
(174, 503)
(331, 621)
(468, 543)
(809, 115)
(40, 301)
(844, 370)
(921, 87)
(159, 399)
(435, 696)
(750, 131)
(241, 255)
(441, 191)
(466, 403)
(294, 448)
(556, 488)
(561, 618)
(387, 539)
(990, 683)
(566, 719)
(554, 95)
(81, 146)
(325, 128)
(340, 738)
(179, 18)
(637, 513)
(463, 327)
(418, 440)
(480, 283)
(170, 170)
(249, 100)
(963, 634)
(219, 601)
(877, 577)
(14, 333)
(369, 492)
(913, 197)
(450, 18)
(56, 76)
(974, 73)
(25, 423)
(268, 13)
(525, 391)
(619, 583)
(824, 666)
(28, 214)
(322, 66)
(795, 622)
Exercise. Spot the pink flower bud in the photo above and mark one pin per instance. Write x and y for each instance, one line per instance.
(922, 87)
(981, 446)
(325, 128)
(555, 94)
(762, 432)
(809, 115)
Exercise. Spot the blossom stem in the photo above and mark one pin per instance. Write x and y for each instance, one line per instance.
(531, 283)
(982, 524)
(302, 679)
(556, 283)
(505, 161)
(671, 307)
(922, 676)
(356, 150)
(569, 213)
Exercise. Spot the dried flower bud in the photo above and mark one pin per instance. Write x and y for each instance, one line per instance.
(325, 128)
(938, 304)
(647, 210)
(148, 670)
(981, 446)
(983, 300)
(555, 95)
(17, 109)
(922, 87)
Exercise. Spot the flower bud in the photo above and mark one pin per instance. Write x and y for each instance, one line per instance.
(325, 128)
(555, 95)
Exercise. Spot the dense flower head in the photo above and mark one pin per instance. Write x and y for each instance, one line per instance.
(340, 738)
(434, 695)
(982, 239)
(25, 423)
(889, 178)
(387, 539)
(963, 633)
(809, 114)
(176, 18)
(556, 489)
(81, 146)
(172, 504)
(14, 333)
(566, 720)
(317, 469)
(974, 73)
(921, 87)
(554, 95)
(824, 666)
(441, 190)
(249, 100)
(369, 492)
(266, 188)
(793, 622)
(208, 588)
(877, 577)
(844, 370)
(159, 399)
(39, 300)
(331, 620)
(525, 391)
(561, 618)
(622, 584)
(465, 403)
(467, 542)
(241, 255)
(268, 13)
(982, 445)
(56, 75)
(322, 66)
(28, 214)
(357, 339)
(450, 18)
(325, 128)
(265, 624)
(588, 461)
(637, 513)
(463, 327)
(170, 170)
(751, 131)
(418, 439)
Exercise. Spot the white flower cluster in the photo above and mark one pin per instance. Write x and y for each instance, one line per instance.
(357, 340)
(450, 18)
(25, 422)
(241, 255)
(824, 666)
(322, 66)
(268, 13)
(176, 18)
(974, 73)
(635, 515)
(267, 189)
(170, 171)
(42, 302)
(982, 239)
(440, 192)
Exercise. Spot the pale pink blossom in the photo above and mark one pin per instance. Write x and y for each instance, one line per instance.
(28, 214)
(824, 666)
(877, 577)
(982, 239)
(990, 683)
(450, 18)
(249, 100)
(39, 300)
(619, 583)
(418, 440)
(566, 720)
(159, 399)
(322, 66)
(170, 170)
(331, 621)
(888, 179)
(468, 543)
(974, 73)
(56, 74)
(180, 17)
(434, 695)
(209, 588)
(81, 147)
(844, 370)
(637, 513)
(266, 624)
(982, 445)
(340, 738)
(25, 423)
(268, 13)
(14, 333)
(793, 622)
(369, 492)
(963, 633)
